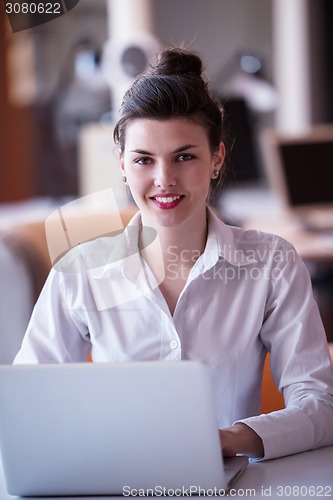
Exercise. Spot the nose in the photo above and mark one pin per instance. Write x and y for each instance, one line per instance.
(165, 176)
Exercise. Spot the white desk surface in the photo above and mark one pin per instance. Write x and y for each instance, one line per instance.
(305, 475)
(310, 245)
(259, 208)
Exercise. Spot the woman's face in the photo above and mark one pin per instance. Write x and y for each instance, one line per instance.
(169, 165)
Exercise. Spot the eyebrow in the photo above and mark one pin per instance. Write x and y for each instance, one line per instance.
(178, 150)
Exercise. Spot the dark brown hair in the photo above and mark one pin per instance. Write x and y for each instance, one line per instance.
(175, 87)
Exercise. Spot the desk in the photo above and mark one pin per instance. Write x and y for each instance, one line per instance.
(310, 245)
(260, 208)
(305, 475)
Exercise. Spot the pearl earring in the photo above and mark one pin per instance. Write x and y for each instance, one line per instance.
(216, 173)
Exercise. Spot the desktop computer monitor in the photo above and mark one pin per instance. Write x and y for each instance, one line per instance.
(244, 164)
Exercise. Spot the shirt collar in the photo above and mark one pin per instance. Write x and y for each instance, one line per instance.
(126, 258)
(124, 252)
(221, 243)
(111, 252)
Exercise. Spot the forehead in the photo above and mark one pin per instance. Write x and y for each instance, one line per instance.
(164, 134)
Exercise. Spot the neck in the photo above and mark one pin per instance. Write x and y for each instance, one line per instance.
(181, 247)
(182, 244)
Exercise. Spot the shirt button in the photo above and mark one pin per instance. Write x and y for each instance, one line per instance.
(173, 344)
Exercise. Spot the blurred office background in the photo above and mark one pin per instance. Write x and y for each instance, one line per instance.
(270, 62)
(52, 84)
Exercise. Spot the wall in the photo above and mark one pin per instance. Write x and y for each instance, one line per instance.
(16, 136)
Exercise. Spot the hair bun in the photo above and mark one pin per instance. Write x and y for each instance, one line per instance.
(176, 62)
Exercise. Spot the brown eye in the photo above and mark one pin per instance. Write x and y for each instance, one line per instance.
(185, 157)
(143, 160)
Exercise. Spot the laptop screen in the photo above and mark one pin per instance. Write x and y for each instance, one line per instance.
(300, 167)
(308, 170)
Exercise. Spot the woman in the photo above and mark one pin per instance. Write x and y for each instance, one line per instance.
(226, 296)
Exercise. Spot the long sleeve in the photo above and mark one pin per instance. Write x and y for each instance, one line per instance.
(56, 331)
(300, 362)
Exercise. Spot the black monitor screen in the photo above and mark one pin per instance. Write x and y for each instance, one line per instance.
(244, 159)
(308, 168)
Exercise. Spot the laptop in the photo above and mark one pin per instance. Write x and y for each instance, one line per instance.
(300, 170)
(102, 429)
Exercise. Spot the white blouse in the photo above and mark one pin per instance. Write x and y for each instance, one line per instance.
(247, 294)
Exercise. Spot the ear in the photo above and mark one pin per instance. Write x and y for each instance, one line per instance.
(218, 158)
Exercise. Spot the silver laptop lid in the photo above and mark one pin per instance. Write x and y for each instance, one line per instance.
(79, 429)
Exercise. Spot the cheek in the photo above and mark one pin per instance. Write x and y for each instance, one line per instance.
(137, 182)
(202, 177)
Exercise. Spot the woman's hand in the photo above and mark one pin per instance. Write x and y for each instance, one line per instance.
(240, 438)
